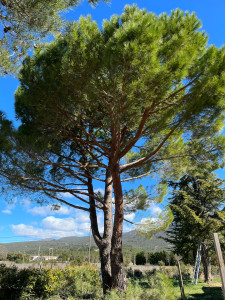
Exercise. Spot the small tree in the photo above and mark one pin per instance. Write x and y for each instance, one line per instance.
(140, 96)
(198, 205)
(140, 258)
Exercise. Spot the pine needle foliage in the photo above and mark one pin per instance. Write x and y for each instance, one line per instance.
(23, 23)
(198, 206)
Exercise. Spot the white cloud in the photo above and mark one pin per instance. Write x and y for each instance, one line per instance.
(66, 195)
(52, 227)
(26, 202)
(151, 220)
(44, 210)
(48, 210)
(127, 228)
(82, 216)
(6, 211)
(143, 220)
(155, 209)
(67, 224)
(40, 233)
(130, 217)
(78, 224)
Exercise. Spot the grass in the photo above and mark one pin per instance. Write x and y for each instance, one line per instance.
(201, 290)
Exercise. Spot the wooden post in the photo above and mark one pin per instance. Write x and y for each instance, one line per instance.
(178, 258)
(220, 260)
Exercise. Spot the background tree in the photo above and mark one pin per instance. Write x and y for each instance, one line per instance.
(140, 258)
(141, 96)
(23, 23)
(165, 256)
(197, 204)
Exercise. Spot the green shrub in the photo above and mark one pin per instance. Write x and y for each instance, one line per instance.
(215, 270)
(16, 257)
(77, 261)
(159, 287)
(134, 292)
(187, 271)
(140, 258)
(130, 273)
(77, 282)
(161, 263)
(161, 256)
(15, 284)
(172, 272)
(138, 274)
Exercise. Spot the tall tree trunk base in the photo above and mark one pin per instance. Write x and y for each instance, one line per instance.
(206, 263)
(106, 270)
(119, 281)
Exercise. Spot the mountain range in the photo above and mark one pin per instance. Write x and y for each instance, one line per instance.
(130, 239)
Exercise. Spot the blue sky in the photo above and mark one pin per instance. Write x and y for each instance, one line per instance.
(23, 220)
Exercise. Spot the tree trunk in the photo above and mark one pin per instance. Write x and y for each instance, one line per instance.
(110, 245)
(117, 267)
(206, 262)
(103, 243)
(105, 248)
(105, 259)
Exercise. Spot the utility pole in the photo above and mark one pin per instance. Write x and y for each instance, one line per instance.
(24, 254)
(220, 261)
(89, 252)
(50, 252)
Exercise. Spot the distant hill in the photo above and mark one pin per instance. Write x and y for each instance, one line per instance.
(156, 243)
(130, 239)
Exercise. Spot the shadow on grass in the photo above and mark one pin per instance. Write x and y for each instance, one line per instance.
(214, 293)
(200, 291)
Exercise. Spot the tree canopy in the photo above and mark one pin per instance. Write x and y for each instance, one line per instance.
(23, 23)
(141, 96)
(198, 206)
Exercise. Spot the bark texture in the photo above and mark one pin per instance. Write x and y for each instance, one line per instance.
(105, 248)
(206, 262)
(104, 242)
(117, 266)
(110, 244)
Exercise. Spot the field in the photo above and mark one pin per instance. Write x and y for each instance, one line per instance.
(201, 291)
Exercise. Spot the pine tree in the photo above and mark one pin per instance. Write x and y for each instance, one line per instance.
(142, 95)
(198, 206)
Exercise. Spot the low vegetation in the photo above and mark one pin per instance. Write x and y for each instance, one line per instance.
(84, 282)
